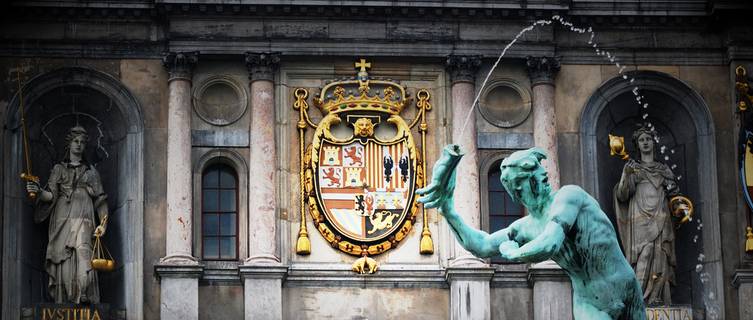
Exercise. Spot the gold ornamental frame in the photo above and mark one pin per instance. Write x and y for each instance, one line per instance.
(363, 104)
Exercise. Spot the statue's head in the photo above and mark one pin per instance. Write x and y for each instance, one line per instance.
(76, 139)
(524, 177)
(644, 138)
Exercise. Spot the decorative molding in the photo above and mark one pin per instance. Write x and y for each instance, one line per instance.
(510, 278)
(463, 68)
(389, 276)
(237, 108)
(742, 276)
(262, 65)
(179, 271)
(546, 271)
(542, 70)
(474, 273)
(496, 120)
(180, 65)
(263, 272)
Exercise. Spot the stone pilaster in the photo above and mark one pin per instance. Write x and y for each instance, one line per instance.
(262, 272)
(470, 295)
(179, 270)
(552, 292)
(262, 200)
(541, 71)
(743, 281)
(462, 71)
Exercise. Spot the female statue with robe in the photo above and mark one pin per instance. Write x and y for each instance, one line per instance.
(644, 221)
(73, 196)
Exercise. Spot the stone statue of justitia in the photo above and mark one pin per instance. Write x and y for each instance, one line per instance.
(71, 200)
(644, 221)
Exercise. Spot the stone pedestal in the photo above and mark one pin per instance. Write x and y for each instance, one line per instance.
(179, 270)
(263, 291)
(743, 281)
(462, 71)
(469, 292)
(179, 291)
(552, 292)
(542, 71)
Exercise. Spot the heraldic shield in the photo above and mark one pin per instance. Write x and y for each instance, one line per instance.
(359, 187)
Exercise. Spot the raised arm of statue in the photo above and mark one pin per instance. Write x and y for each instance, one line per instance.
(440, 194)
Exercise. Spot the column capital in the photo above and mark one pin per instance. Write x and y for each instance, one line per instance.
(262, 65)
(542, 70)
(180, 65)
(462, 68)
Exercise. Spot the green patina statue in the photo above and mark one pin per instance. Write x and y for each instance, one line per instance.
(566, 226)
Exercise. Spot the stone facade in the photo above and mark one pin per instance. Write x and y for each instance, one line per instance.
(156, 76)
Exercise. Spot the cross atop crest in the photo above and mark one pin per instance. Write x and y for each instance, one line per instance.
(363, 65)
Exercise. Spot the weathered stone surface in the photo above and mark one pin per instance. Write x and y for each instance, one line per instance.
(147, 79)
(220, 302)
(180, 299)
(512, 303)
(219, 138)
(552, 292)
(366, 303)
(574, 85)
(501, 140)
(469, 292)
(569, 158)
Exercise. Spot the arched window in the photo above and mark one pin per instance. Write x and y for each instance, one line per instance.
(502, 209)
(219, 213)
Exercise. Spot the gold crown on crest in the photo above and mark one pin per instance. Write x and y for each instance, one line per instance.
(362, 93)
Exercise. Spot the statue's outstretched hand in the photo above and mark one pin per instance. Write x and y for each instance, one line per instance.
(442, 185)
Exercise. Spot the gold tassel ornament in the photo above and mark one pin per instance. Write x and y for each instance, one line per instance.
(303, 245)
(749, 240)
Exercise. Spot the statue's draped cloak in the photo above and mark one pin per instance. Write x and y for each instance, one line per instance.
(77, 192)
(645, 226)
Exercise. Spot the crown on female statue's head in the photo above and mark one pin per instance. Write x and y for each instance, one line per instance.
(363, 94)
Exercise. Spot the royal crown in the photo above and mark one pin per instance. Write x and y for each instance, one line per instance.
(362, 93)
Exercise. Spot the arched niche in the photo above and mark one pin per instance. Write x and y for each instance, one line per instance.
(113, 119)
(687, 133)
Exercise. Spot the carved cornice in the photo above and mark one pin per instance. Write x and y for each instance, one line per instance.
(542, 70)
(262, 65)
(462, 68)
(180, 65)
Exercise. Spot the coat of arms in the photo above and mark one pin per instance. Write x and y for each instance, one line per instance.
(359, 188)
